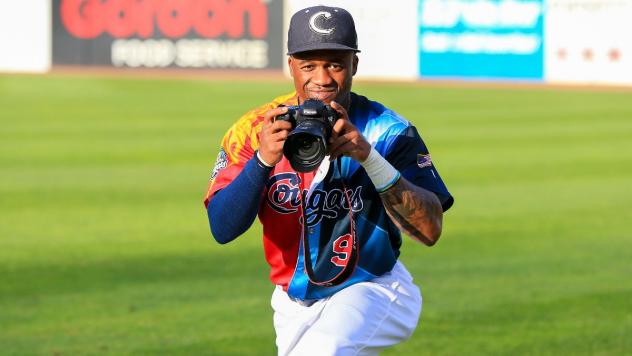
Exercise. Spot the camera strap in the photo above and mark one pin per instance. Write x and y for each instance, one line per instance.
(351, 261)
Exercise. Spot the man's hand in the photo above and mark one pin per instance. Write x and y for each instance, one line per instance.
(273, 135)
(346, 140)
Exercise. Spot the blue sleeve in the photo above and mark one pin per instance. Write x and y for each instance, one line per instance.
(409, 155)
(233, 209)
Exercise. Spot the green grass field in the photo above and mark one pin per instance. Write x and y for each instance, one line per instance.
(105, 247)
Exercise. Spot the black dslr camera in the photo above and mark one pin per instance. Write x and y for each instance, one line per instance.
(306, 145)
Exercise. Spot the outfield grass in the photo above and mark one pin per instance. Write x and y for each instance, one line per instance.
(104, 244)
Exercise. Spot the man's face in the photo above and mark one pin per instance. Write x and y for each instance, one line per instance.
(324, 75)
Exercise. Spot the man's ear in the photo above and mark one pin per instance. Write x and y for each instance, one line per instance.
(355, 64)
(289, 65)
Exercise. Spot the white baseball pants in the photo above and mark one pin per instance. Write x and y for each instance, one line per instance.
(361, 319)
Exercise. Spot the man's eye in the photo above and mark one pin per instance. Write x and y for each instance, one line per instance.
(336, 67)
(307, 67)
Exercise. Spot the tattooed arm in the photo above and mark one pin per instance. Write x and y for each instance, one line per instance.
(415, 211)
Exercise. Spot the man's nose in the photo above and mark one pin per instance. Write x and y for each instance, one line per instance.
(322, 77)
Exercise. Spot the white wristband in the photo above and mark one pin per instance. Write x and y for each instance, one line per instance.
(382, 174)
(262, 161)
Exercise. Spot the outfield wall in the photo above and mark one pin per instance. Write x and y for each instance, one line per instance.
(548, 41)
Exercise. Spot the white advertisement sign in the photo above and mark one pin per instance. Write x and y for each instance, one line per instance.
(387, 35)
(589, 41)
(25, 31)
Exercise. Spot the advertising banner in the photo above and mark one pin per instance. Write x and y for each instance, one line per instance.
(481, 39)
(25, 31)
(168, 33)
(588, 41)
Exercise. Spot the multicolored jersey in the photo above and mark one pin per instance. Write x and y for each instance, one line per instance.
(340, 192)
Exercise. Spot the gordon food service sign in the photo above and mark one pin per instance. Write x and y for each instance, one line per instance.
(168, 33)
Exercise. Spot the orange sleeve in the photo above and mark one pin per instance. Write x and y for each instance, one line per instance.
(239, 145)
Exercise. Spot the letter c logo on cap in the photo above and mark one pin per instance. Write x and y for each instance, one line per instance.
(315, 28)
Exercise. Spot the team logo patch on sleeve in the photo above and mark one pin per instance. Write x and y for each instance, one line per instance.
(220, 163)
(424, 160)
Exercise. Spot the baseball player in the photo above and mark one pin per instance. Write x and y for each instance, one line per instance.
(332, 235)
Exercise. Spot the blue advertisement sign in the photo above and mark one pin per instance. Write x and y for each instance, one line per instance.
(481, 39)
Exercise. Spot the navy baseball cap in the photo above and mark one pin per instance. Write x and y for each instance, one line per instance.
(321, 27)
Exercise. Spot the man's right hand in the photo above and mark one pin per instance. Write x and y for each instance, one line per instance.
(273, 135)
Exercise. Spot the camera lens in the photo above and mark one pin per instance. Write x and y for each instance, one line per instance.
(307, 147)
(304, 150)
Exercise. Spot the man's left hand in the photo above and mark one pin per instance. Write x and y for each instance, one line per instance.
(346, 140)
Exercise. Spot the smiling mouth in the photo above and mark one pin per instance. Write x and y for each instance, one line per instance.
(322, 94)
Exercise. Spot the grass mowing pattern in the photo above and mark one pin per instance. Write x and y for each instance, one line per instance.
(104, 244)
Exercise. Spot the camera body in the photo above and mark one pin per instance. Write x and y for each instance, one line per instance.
(312, 123)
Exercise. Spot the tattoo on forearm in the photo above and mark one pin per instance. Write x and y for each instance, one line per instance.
(414, 210)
